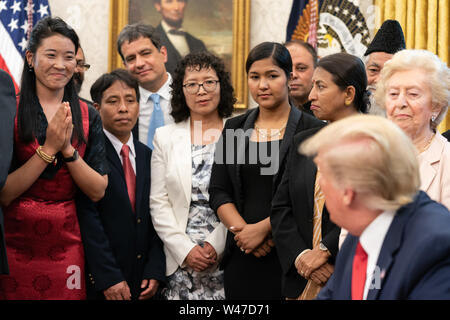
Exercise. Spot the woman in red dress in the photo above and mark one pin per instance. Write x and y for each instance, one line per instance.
(58, 149)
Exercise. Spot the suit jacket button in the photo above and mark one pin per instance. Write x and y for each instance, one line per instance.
(139, 220)
(93, 282)
(139, 256)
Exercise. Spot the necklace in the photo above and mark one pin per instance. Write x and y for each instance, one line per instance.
(275, 132)
(428, 144)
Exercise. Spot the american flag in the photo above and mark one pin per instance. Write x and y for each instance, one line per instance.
(17, 18)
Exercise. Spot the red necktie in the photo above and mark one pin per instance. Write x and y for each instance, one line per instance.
(130, 176)
(359, 273)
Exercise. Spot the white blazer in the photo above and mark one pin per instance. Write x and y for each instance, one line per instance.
(170, 194)
(434, 167)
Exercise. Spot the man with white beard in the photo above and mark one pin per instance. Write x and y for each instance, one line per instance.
(388, 40)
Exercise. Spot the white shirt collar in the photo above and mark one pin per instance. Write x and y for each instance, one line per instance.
(117, 144)
(166, 27)
(372, 240)
(164, 91)
(373, 236)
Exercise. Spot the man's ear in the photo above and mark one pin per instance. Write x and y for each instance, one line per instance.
(163, 51)
(96, 106)
(348, 196)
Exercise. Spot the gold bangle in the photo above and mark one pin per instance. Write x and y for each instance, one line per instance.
(47, 158)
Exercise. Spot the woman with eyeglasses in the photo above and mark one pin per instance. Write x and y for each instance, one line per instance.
(183, 154)
(248, 166)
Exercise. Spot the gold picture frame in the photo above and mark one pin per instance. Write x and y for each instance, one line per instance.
(241, 40)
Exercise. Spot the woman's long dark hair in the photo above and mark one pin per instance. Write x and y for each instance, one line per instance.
(27, 117)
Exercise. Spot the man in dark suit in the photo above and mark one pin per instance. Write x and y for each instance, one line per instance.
(7, 114)
(177, 41)
(398, 245)
(124, 255)
(304, 62)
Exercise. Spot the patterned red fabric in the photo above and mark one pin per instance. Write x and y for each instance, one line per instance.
(359, 273)
(43, 241)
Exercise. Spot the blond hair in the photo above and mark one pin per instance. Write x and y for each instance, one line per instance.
(370, 155)
(438, 76)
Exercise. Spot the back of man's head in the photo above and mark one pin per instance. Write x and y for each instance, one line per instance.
(370, 155)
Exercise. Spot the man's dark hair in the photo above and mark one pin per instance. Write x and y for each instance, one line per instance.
(307, 46)
(135, 31)
(106, 80)
(199, 61)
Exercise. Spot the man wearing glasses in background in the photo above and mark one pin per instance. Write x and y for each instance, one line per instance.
(80, 69)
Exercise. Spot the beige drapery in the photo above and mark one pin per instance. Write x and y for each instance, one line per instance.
(425, 24)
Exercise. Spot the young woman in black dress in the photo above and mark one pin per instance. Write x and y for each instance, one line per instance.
(248, 166)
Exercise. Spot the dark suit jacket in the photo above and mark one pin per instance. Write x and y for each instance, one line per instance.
(292, 216)
(173, 56)
(225, 184)
(7, 114)
(120, 244)
(414, 261)
(446, 134)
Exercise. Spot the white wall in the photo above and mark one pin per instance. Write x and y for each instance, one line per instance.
(268, 20)
(90, 19)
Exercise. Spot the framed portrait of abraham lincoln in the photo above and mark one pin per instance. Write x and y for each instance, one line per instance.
(219, 26)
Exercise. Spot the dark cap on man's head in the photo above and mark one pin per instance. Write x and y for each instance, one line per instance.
(389, 38)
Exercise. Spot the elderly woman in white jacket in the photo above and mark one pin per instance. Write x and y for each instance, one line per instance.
(183, 154)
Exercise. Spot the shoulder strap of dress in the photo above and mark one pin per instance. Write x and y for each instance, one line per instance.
(85, 118)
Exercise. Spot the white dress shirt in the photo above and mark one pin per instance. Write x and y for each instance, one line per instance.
(117, 144)
(178, 41)
(146, 108)
(372, 240)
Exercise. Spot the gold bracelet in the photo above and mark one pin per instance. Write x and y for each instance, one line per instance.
(47, 158)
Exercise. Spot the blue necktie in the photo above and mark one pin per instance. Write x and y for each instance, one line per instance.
(156, 120)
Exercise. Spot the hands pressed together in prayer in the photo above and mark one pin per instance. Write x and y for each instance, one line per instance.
(313, 265)
(59, 132)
